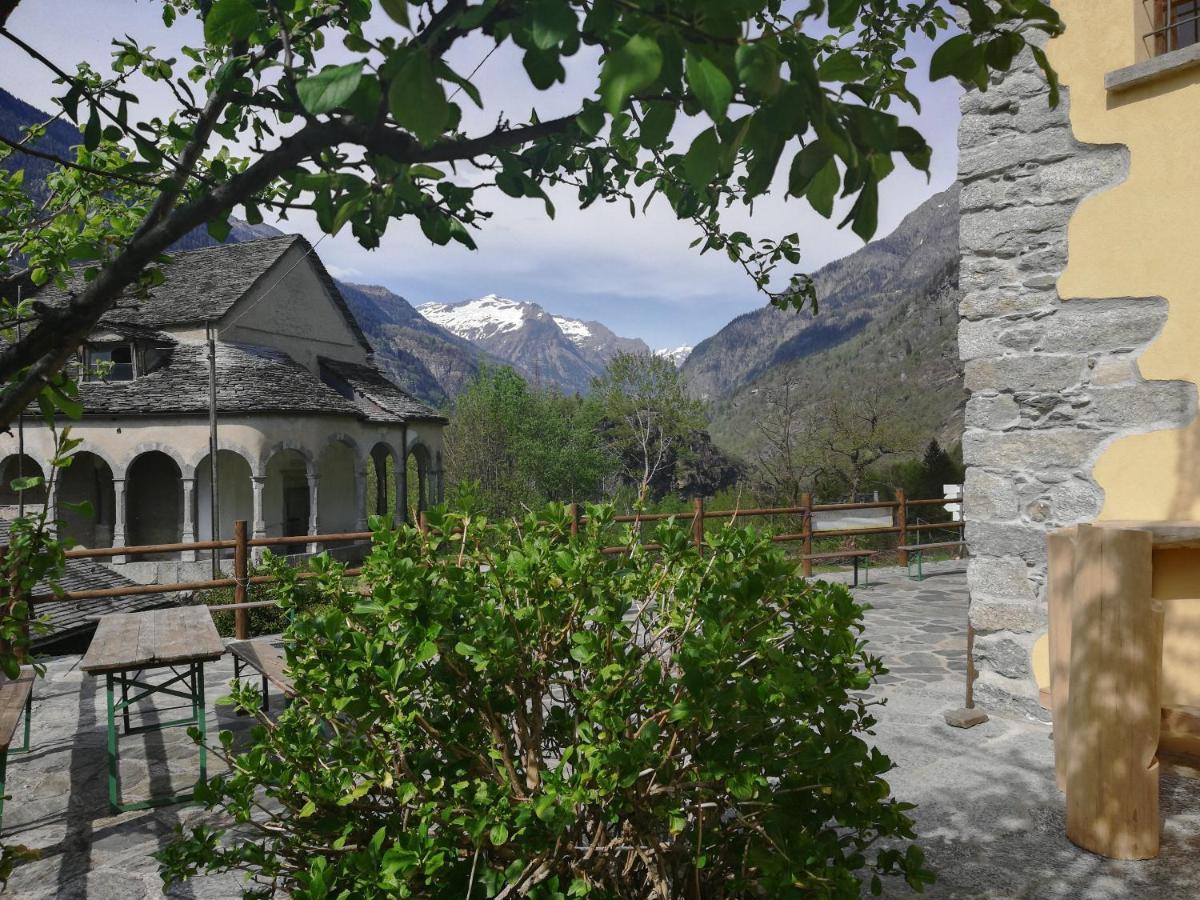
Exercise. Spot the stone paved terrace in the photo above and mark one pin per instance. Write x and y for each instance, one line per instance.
(988, 812)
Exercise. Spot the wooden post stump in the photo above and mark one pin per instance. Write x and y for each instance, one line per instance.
(1112, 708)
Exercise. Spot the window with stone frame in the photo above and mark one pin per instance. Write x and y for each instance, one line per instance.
(1176, 25)
(109, 362)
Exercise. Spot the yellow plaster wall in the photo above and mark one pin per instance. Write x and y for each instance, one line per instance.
(1139, 239)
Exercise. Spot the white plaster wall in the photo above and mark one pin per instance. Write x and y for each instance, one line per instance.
(296, 315)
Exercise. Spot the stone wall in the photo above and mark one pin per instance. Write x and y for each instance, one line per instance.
(1051, 382)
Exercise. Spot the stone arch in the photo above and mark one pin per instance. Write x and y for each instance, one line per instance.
(15, 466)
(264, 459)
(340, 437)
(88, 479)
(383, 468)
(235, 493)
(287, 504)
(419, 464)
(154, 499)
(200, 457)
(186, 469)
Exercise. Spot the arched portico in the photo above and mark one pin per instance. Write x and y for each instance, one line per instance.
(154, 500)
(286, 504)
(87, 480)
(235, 495)
(337, 491)
(18, 466)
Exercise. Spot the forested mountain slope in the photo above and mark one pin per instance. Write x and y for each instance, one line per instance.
(886, 327)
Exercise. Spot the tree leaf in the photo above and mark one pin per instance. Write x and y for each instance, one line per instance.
(958, 57)
(702, 160)
(843, 12)
(626, 71)
(823, 188)
(397, 11)
(1039, 56)
(329, 88)
(806, 164)
(553, 21)
(230, 20)
(710, 86)
(657, 123)
(417, 100)
(758, 68)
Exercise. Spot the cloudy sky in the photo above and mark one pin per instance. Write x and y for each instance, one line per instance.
(637, 275)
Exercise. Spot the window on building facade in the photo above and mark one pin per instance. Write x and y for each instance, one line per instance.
(111, 362)
(1176, 25)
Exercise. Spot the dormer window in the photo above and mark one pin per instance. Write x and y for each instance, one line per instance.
(110, 362)
(1176, 25)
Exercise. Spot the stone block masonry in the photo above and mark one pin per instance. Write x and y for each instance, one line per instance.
(1051, 382)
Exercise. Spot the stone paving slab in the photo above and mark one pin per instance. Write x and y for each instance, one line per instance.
(988, 812)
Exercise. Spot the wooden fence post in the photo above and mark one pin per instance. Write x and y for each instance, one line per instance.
(241, 575)
(901, 522)
(698, 522)
(422, 522)
(806, 531)
(574, 510)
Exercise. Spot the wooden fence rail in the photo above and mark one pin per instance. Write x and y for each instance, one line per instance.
(241, 544)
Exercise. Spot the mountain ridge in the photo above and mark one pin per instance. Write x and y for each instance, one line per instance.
(542, 346)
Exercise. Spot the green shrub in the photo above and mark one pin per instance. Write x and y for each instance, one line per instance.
(263, 620)
(509, 712)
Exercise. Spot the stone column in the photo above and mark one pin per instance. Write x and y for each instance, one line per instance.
(188, 533)
(118, 535)
(258, 484)
(360, 496)
(314, 519)
(401, 489)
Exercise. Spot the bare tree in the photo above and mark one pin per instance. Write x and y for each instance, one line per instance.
(645, 401)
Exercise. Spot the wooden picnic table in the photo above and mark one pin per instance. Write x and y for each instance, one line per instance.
(125, 648)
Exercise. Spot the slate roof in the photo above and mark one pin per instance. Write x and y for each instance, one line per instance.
(249, 380)
(203, 285)
(375, 396)
(72, 618)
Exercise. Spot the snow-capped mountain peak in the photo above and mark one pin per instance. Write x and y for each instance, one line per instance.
(577, 332)
(546, 348)
(677, 355)
(480, 319)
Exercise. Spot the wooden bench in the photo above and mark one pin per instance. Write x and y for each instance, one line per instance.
(16, 702)
(268, 660)
(918, 550)
(854, 555)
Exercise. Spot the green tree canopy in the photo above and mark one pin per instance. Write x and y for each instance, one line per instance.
(269, 118)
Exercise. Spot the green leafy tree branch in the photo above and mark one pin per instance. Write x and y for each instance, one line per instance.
(264, 121)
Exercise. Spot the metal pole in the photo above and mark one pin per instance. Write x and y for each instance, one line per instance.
(21, 435)
(213, 468)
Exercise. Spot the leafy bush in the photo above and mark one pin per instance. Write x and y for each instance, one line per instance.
(263, 620)
(507, 711)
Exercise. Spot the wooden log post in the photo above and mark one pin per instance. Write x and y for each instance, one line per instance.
(574, 510)
(806, 530)
(901, 522)
(241, 575)
(1114, 706)
(422, 522)
(698, 522)
(1060, 589)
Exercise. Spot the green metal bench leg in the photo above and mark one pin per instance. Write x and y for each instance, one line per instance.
(114, 771)
(867, 571)
(125, 700)
(3, 778)
(195, 683)
(201, 719)
(855, 558)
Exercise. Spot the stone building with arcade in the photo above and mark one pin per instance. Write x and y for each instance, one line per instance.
(312, 436)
